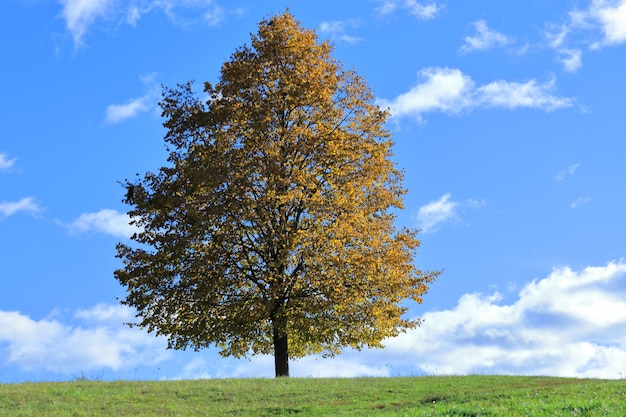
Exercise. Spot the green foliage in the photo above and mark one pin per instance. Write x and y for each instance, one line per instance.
(421, 396)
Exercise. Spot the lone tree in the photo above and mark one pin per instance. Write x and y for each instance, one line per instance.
(271, 229)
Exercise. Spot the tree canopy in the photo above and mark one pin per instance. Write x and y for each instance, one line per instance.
(271, 228)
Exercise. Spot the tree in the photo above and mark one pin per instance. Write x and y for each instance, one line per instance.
(271, 229)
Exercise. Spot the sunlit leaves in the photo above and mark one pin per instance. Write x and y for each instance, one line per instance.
(274, 215)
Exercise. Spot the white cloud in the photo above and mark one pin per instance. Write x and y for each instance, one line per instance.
(106, 313)
(204, 11)
(556, 36)
(571, 59)
(485, 38)
(475, 203)
(115, 113)
(387, 7)
(5, 162)
(133, 15)
(106, 221)
(54, 346)
(213, 16)
(313, 367)
(420, 10)
(81, 15)
(579, 201)
(567, 324)
(337, 30)
(512, 95)
(450, 91)
(570, 170)
(432, 215)
(27, 204)
(436, 213)
(442, 89)
(612, 18)
(559, 34)
(342, 366)
(338, 367)
(197, 368)
(603, 24)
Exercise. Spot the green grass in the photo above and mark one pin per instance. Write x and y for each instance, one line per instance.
(419, 396)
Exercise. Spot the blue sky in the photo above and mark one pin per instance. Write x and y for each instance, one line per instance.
(508, 119)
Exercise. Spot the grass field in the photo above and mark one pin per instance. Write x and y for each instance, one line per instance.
(419, 396)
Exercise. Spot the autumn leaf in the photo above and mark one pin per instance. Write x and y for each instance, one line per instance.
(271, 229)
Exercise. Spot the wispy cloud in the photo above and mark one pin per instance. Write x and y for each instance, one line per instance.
(106, 221)
(570, 170)
(116, 113)
(448, 90)
(207, 12)
(558, 35)
(602, 24)
(81, 15)
(580, 201)
(106, 313)
(485, 38)
(571, 59)
(5, 162)
(338, 30)
(27, 204)
(214, 15)
(423, 11)
(431, 216)
(529, 94)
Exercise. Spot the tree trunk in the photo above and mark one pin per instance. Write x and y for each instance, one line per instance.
(281, 352)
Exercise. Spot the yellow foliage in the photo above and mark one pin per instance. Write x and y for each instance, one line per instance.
(273, 220)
